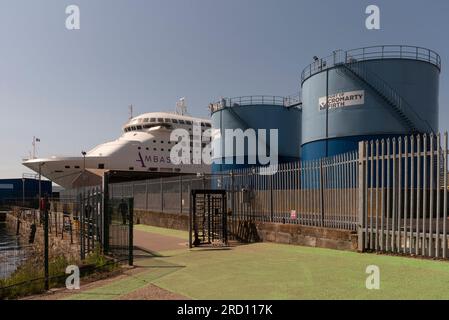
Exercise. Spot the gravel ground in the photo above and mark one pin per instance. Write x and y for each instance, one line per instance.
(152, 292)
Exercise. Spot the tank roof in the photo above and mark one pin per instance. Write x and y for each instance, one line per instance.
(371, 53)
(288, 102)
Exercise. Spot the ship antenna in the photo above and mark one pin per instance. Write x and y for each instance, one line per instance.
(130, 111)
(34, 146)
(181, 107)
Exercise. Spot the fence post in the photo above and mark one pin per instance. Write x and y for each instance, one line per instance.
(46, 266)
(271, 198)
(106, 213)
(321, 192)
(361, 196)
(130, 232)
(146, 195)
(162, 196)
(180, 193)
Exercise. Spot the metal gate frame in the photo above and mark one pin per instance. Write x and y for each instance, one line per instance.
(209, 211)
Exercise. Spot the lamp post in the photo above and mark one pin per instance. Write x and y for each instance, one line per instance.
(84, 160)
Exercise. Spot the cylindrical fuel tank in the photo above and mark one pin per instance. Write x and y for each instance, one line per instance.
(256, 117)
(368, 93)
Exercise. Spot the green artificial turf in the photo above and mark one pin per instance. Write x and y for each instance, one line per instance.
(276, 271)
(162, 231)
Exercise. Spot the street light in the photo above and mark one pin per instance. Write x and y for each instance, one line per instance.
(84, 160)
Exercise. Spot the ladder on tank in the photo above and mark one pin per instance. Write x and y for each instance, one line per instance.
(408, 117)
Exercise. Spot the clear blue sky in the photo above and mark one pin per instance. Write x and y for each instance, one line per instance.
(72, 88)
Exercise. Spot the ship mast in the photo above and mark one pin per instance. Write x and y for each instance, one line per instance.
(181, 107)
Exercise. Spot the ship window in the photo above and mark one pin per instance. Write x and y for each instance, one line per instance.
(175, 120)
(160, 120)
(182, 122)
(208, 125)
(139, 148)
(77, 167)
(101, 166)
(167, 120)
(154, 149)
(162, 141)
(147, 148)
(162, 149)
(147, 126)
(154, 141)
(169, 142)
(67, 167)
(139, 127)
(145, 120)
(59, 171)
(153, 169)
(188, 122)
(152, 119)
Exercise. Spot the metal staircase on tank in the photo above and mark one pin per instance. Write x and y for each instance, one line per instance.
(401, 108)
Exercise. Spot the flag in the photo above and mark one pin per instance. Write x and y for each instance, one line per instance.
(38, 140)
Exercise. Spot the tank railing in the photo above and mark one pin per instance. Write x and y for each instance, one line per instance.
(411, 116)
(371, 53)
(255, 100)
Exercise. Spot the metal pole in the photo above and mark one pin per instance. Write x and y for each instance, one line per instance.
(162, 196)
(40, 176)
(180, 193)
(46, 267)
(271, 199)
(105, 213)
(361, 195)
(23, 192)
(321, 192)
(130, 232)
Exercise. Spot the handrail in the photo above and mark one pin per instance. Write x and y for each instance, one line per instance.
(255, 100)
(382, 86)
(371, 53)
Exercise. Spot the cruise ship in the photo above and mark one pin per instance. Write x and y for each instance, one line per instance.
(144, 146)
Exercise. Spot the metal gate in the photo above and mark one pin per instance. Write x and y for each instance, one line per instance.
(208, 219)
(90, 220)
(119, 225)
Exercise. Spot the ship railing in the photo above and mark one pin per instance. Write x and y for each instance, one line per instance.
(290, 101)
(371, 53)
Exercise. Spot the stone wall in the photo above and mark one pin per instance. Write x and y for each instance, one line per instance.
(267, 231)
(163, 220)
(307, 236)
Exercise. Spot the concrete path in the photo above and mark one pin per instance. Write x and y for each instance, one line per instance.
(135, 283)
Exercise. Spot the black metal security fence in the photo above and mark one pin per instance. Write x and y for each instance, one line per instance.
(403, 195)
(101, 221)
(313, 193)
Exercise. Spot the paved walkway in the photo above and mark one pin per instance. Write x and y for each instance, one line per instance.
(134, 283)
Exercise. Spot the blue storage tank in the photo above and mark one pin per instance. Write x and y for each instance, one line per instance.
(368, 93)
(255, 112)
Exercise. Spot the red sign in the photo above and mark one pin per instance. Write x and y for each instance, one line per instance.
(293, 215)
